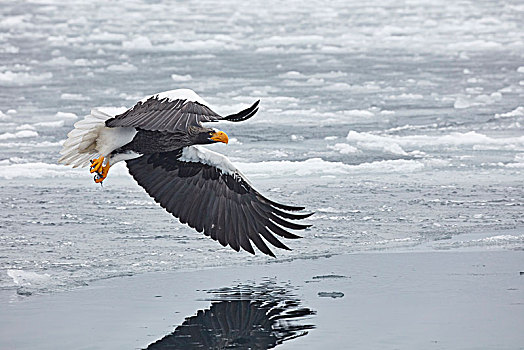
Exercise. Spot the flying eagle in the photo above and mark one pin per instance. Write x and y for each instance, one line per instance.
(158, 139)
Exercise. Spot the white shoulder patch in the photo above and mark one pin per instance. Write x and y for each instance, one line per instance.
(182, 94)
(205, 156)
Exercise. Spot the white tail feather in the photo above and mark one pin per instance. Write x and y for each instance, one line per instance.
(81, 145)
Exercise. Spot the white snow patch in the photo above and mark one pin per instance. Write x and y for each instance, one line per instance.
(330, 74)
(66, 116)
(515, 165)
(54, 124)
(60, 61)
(296, 138)
(343, 148)
(336, 86)
(470, 138)
(138, 43)
(25, 127)
(8, 48)
(180, 78)
(315, 81)
(320, 167)
(480, 100)
(358, 113)
(82, 62)
(289, 40)
(517, 112)
(278, 154)
(406, 96)
(43, 144)
(33, 170)
(39, 170)
(4, 117)
(74, 97)
(123, 67)
(18, 135)
(106, 36)
(27, 278)
(234, 141)
(219, 42)
(8, 78)
(520, 69)
(291, 75)
(386, 112)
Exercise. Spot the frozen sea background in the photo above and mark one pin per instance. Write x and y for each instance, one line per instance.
(398, 123)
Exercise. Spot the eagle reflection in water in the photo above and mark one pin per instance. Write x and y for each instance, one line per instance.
(243, 317)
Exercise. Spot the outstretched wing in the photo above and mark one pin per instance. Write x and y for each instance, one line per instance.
(164, 114)
(204, 190)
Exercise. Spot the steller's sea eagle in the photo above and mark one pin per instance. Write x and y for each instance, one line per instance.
(158, 140)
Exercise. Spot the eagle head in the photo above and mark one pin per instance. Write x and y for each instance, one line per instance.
(211, 136)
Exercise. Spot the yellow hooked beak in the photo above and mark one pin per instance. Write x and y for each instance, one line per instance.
(220, 136)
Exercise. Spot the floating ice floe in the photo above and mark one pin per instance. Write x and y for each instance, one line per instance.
(66, 116)
(82, 62)
(39, 170)
(74, 97)
(480, 100)
(8, 48)
(234, 141)
(180, 78)
(4, 117)
(517, 112)
(137, 43)
(25, 127)
(53, 124)
(337, 87)
(18, 135)
(498, 241)
(60, 61)
(27, 278)
(98, 36)
(406, 96)
(318, 166)
(358, 113)
(343, 148)
(424, 141)
(122, 67)
(32, 144)
(8, 78)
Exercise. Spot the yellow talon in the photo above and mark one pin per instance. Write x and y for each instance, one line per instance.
(96, 164)
(101, 175)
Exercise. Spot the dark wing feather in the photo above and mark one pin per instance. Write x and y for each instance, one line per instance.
(224, 206)
(163, 114)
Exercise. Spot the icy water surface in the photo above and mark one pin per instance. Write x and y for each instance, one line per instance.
(398, 123)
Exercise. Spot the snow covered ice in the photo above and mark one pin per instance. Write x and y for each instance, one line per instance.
(400, 124)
